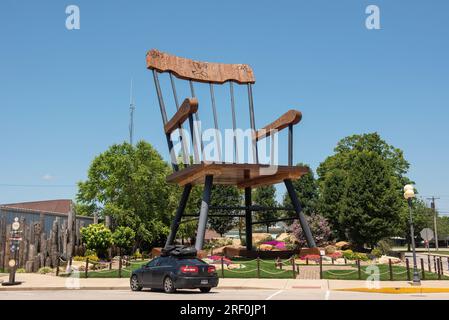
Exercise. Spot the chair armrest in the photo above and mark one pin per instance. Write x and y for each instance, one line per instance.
(188, 107)
(291, 117)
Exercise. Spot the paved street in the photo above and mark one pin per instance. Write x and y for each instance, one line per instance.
(216, 294)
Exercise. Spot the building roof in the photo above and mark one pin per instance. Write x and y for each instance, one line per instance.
(58, 206)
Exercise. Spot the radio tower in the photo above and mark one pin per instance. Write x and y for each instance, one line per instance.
(131, 114)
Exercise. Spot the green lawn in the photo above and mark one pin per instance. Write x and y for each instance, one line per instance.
(398, 274)
(267, 270)
(126, 272)
(250, 270)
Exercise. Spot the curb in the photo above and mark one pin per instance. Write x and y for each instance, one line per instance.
(19, 288)
(397, 290)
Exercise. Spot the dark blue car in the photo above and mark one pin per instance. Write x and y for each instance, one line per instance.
(172, 272)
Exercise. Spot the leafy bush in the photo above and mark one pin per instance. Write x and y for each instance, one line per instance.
(123, 237)
(350, 255)
(89, 253)
(20, 270)
(92, 258)
(376, 252)
(96, 237)
(319, 226)
(384, 246)
(137, 254)
(45, 270)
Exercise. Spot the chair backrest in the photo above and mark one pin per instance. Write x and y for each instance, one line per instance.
(211, 74)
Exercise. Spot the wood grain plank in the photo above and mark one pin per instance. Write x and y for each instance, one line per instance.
(199, 71)
(290, 117)
(189, 106)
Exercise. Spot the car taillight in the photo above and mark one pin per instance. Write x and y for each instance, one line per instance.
(211, 269)
(189, 269)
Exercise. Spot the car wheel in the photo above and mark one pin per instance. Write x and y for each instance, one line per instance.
(205, 290)
(169, 286)
(134, 284)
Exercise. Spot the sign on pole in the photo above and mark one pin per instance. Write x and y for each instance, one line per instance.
(427, 234)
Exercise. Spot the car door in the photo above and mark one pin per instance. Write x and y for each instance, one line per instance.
(147, 274)
(158, 271)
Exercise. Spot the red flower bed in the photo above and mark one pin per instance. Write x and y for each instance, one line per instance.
(217, 259)
(313, 257)
(336, 255)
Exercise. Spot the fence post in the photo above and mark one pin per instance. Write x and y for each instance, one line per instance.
(110, 265)
(423, 271)
(307, 260)
(258, 267)
(439, 269)
(391, 269)
(358, 269)
(120, 266)
(435, 264)
(87, 267)
(346, 261)
(408, 269)
(321, 267)
(293, 268)
(57, 266)
(428, 263)
(448, 263)
(222, 266)
(442, 267)
(333, 260)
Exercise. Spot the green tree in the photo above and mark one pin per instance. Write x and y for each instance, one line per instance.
(96, 237)
(123, 238)
(306, 189)
(128, 183)
(223, 195)
(371, 204)
(266, 197)
(361, 189)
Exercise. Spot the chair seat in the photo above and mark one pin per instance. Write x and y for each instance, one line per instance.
(241, 175)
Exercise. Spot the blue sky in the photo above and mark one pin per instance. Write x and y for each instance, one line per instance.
(64, 94)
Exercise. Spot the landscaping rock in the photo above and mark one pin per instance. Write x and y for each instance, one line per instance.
(330, 249)
(385, 259)
(342, 245)
(257, 237)
(266, 247)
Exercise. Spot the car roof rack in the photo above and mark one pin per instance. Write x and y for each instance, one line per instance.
(178, 251)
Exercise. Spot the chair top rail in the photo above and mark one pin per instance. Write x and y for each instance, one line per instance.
(199, 71)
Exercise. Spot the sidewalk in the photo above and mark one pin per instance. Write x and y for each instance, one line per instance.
(48, 282)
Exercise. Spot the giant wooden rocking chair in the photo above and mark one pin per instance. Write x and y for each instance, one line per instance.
(243, 175)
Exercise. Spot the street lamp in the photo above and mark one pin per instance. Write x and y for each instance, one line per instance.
(409, 194)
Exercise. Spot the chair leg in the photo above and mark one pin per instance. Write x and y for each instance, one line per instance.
(201, 231)
(175, 224)
(248, 220)
(302, 219)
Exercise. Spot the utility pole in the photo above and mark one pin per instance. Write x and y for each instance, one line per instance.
(432, 205)
(131, 114)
